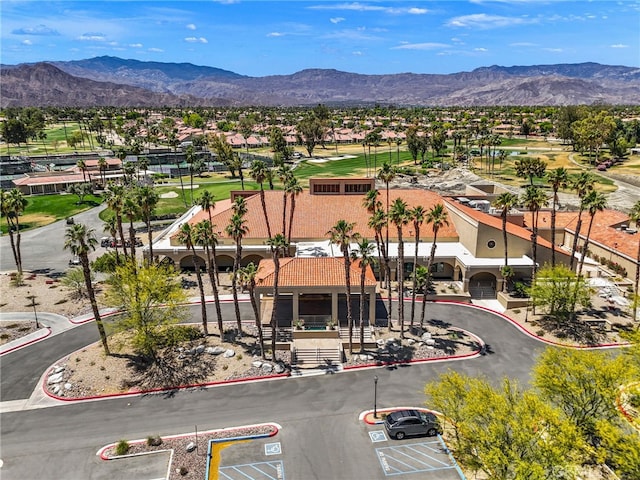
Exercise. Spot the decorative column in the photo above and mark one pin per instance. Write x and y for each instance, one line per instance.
(372, 307)
(334, 308)
(296, 304)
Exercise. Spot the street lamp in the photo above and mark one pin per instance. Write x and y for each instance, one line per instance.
(375, 397)
(33, 304)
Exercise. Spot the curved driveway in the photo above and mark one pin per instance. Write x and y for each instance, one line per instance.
(61, 441)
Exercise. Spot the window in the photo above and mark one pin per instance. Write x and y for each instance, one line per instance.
(326, 188)
(356, 188)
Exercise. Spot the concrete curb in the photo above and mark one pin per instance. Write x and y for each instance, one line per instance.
(276, 428)
(42, 334)
(366, 415)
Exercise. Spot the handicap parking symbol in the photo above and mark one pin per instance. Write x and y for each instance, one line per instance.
(273, 449)
(378, 436)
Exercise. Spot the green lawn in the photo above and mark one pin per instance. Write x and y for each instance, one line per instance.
(45, 209)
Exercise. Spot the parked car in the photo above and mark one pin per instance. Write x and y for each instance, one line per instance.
(106, 241)
(602, 167)
(74, 262)
(402, 423)
(70, 220)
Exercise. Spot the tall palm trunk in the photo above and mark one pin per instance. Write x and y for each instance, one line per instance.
(84, 260)
(121, 233)
(362, 279)
(132, 238)
(234, 282)
(214, 287)
(274, 310)
(553, 228)
(574, 247)
(203, 303)
(256, 314)
(414, 282)
(400, 270)
(347, 277)
(293, 208)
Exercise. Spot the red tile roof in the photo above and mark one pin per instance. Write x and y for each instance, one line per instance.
(311, 272)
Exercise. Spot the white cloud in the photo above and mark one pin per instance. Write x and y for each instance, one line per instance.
(196, 40)
(417, 11)
(37, 30)
(203, 40)
(363, 7)
(337, 19)
(155, 50)
(135, 45)
(523, 44)
(480, 49)
(619, 45)
(421, 46)
(92, 37)
(357, 53)
(191, 26)
(553, 50)
(27, 42)
(484, 21)
(275, 34)
(113, 44)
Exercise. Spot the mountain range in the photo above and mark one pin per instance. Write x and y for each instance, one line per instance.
(114, 81)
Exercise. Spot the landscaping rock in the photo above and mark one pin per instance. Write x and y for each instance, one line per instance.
(200, 349)
(215, 350)
(267, 368)
(58, 369)
(191, 447)
(256, 363)
(425, 336)
(56, 389)
(430, 342)
(55, 378)
(279, 368)
(410, 341)
(67, 386)
(228, 353)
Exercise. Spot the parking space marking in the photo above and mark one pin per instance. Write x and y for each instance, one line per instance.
(273, 448)
(254, 471)
(378, 436)
(414, 458)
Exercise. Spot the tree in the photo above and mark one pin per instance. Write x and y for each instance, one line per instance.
(206, 238)
(310, 132)
(529, 167)
(115, 201)
(582, 186)
(110, 226)
(342, 235)
(131, 210)
(417, 215)
(399, 216)
(74, 279)
(80, 240)
(278, 245)
(557, 178)
(583, 384)
(363, 254)
(258, 173)
(422, 284)
(593, 131)
(12, 204)
(551, 291)
(247, 277)
(279, 145)
(284, 174)
(102, 167)
(208, 203)
(594, 202)
(187, 235)
(437, 217)
(504, 432)
(151, 298)
(634, 216)
(81, 190)
(293, 188)
(505, 201)
(147, 199)
(534, 199)
(191, 158)
(413, 142)
(237, 229)
(387, 173)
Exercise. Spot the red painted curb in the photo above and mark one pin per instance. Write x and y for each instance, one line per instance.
(25, 344)
(101, 452)
(158, 390)
(533, 335)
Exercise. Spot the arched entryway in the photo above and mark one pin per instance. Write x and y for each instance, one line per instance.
(255, 259)
(187, 263)
(224, 263)
(482, 285)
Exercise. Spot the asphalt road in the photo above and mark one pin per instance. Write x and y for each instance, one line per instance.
(318, 414)
(43, 248)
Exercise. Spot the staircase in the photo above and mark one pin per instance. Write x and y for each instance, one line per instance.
(483, 292)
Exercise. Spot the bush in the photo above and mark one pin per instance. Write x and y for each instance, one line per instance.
(154, 440)
(180, 333)
(122, 447)
(540, 333)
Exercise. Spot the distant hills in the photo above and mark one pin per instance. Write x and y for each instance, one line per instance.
(114, 81)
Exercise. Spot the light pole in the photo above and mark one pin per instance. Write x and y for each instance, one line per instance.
(375, 397)
(33, 304)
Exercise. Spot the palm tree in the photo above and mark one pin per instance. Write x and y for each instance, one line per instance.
(115, 201)
(634, 216)
(399, 216)
(258, 173)
(12, 204)
(207, 203)
(102, 166)
(81, 164)
(377, 220)
(594, 202)
(417, 215)
(534, 199)
(80, 240)
(237, 229)
(364, 254)
(131, 210)
(284, 174)
(558, 178)
(187, 235)
(505, 201)
(190, 157)
(248, 278)
(437, 218)
(205, 237)
(293, 188)
(278, 245)
(110, 226)
(342, 234)
(147, 199)
(582, 186)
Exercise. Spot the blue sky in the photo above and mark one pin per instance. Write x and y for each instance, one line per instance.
(260, 38)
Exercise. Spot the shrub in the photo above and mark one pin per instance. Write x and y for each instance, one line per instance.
(183, 471)
(239, 356)
(181, 333)
(122, 447)
(516, 310)
(4, 336)
(154, 440)
(540, 333)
